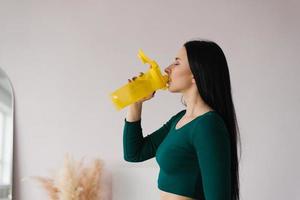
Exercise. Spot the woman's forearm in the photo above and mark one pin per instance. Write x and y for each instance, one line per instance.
(134, 112)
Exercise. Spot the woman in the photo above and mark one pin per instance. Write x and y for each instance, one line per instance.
(197, 148)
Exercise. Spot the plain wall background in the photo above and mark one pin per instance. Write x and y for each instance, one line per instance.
(65, 57)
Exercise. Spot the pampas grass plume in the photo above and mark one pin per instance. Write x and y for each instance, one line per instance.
(75, 181)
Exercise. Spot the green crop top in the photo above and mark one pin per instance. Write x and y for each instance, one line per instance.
(194, 160)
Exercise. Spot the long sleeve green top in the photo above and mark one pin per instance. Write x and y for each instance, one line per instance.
(194, 160)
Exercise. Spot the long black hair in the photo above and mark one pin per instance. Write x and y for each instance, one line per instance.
(210, 70)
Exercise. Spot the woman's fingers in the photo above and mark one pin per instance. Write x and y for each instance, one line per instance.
(133, 78)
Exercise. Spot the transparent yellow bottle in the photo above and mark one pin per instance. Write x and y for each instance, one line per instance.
(143, 86)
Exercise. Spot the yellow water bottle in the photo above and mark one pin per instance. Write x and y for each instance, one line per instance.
(142, 86)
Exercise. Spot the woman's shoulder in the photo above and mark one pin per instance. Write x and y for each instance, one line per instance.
(211, 122)
(176, 115)
(179, 113)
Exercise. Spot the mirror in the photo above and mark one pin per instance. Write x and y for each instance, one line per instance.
(6, 136)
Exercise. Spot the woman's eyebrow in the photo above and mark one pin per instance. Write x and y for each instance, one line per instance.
(177, 58)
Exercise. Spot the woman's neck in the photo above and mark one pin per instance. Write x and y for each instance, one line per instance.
(195, 105)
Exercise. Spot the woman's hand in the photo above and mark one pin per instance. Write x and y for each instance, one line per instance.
(145, 98)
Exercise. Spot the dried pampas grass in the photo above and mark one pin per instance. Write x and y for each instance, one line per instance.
(49, 186)
(75, 181)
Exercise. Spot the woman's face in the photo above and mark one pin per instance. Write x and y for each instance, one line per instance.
(180, 75)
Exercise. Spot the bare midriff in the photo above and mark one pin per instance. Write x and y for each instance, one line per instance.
(171, 196)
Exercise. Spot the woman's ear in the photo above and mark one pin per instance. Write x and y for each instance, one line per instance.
(193, 80)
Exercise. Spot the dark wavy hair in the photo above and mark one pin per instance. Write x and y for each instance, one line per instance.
(210, 70)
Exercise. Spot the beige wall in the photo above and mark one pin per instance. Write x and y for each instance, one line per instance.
(65, 57)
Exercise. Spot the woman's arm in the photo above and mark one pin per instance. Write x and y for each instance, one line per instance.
(212, 146)
(134, 112)
(136, 147)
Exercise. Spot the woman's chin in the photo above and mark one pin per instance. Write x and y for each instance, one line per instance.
(170, 89)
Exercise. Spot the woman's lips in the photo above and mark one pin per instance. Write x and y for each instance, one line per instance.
(169, 82)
